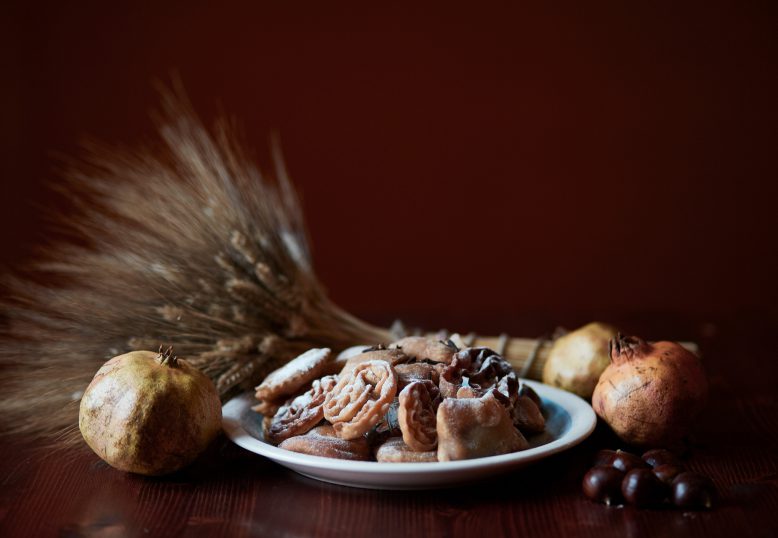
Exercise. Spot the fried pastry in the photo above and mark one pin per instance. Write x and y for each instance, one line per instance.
(425, 348)
(527, 416)
(389, 356)
(417, 411)
(300, 414)
(526, 390)
(469, 391)
(335, 366)
(361, 398)
(490, 372)
(416, 371)
(394, 450)
(294, 375)
(522, 408)
(486, 367)
(476, 427)
(268, 408)
(451, 377)
(349, 352)
(389, 425)
(322, 441)
(475, 369)
(422, 400)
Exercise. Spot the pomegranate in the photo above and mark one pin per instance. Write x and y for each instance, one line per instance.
(149, 413)
(650, 393)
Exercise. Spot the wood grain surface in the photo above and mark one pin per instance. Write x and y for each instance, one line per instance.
(231, 492)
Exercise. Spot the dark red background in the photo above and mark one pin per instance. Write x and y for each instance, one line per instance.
(566, 163)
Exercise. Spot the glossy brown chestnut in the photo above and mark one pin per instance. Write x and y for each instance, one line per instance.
(694, 491)
(660, 456)
(667, 472)
(603, 484)
(605, 457)
(641, 487)
(626, 461)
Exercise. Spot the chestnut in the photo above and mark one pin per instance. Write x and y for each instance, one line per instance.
(660, 456)
(641, 487)
(693, 491)
(623, 461)
(603, 484)
(626, 461)
(667, 472)
(605, 457)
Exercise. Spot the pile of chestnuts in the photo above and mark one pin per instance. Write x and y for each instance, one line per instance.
(652, 480)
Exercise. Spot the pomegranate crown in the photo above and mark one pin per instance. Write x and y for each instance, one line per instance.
(167, 357)
(625, 347)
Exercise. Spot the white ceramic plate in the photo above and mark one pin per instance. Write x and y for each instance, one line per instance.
(569, 420)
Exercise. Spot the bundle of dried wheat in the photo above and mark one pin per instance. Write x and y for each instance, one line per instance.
(188, 244)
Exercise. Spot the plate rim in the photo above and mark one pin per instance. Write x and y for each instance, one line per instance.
(582, 423)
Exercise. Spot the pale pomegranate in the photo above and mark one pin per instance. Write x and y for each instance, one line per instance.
(149, 413)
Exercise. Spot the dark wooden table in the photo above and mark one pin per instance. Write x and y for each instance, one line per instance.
(230, 492)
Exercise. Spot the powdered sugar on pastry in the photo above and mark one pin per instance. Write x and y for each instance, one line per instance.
(361, 398)
(300, 414)
(321, 441)
(418, 404)
(389, 356)
(476, 427)
(394, 450)
(424, 348)
(294, 375)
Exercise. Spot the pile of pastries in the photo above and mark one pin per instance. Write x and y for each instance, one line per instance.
(417, 400)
